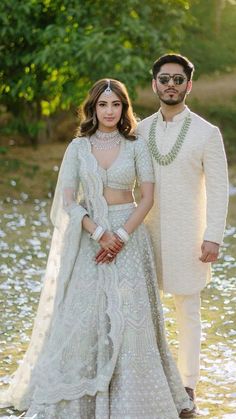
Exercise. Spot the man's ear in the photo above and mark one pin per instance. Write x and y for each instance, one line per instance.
(189, 86)
(154, 85)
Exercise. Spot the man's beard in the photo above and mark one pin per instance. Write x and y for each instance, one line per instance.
(172, 101)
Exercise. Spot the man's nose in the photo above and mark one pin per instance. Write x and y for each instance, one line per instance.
(171, 82)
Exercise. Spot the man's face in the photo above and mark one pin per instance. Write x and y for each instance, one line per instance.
(171, 93)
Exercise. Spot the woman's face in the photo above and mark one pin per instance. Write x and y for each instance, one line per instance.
(108, 110)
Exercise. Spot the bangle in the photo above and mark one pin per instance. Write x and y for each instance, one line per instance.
(123, 235)
(98, 233)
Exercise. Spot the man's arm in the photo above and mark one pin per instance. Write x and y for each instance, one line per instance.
(216, 179)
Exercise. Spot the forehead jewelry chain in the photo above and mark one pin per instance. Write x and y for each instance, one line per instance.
(166, 159)
(108, 90)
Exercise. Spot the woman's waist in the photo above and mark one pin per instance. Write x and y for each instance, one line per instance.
(122, 207)
(118, 214)
(117, 197)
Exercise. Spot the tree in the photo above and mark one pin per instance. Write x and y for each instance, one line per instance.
(219, 8)
(52, 50)
(210, 41)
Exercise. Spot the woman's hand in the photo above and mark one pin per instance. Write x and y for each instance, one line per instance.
(111, 245)
(110, 241)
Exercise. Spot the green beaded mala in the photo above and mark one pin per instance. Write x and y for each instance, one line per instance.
(166, 159)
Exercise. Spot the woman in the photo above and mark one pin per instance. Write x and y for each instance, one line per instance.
(98, 347)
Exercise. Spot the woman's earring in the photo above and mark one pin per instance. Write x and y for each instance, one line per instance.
(94, 119)
(121, 121)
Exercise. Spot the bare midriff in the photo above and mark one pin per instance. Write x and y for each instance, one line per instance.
(117, 196)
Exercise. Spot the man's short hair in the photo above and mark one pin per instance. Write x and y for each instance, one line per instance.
(176, 59)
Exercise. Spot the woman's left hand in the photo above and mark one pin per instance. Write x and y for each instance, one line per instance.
(105, 256)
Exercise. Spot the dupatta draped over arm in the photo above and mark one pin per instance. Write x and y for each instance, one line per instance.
(40, 377)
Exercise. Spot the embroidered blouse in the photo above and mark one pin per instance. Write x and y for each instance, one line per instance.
(133, 162)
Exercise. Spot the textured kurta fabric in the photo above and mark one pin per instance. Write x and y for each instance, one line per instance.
(103, 354)
(190, 203)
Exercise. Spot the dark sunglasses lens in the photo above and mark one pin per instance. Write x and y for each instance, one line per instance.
(178, 80)
(164, 79)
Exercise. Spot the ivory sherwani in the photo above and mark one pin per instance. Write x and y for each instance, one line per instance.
(191, 197)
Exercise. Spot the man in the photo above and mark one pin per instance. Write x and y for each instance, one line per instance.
(191, 195)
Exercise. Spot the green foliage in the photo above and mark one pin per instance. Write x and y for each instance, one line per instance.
(24, 126)
(52, 50)
(210, 41)
(3, 150)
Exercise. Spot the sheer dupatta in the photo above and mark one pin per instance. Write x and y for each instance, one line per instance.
(39, 377)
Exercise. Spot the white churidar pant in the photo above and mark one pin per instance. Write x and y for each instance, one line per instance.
(188, 315)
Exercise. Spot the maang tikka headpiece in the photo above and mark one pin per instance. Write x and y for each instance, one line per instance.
(108, 90)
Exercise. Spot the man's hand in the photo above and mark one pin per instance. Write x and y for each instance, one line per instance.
(210, 251)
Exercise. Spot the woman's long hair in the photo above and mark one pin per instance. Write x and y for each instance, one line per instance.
(87, 112)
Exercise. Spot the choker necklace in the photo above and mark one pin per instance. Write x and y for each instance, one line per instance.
(105, 140)
(166, 159)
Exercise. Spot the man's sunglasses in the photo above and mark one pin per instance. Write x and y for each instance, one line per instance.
(178, 79)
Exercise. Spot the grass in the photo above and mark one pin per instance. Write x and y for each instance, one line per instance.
(24, 170)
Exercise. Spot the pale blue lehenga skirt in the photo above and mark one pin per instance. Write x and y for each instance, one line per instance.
(144, 383)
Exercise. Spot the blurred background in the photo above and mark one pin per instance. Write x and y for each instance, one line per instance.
(51, 52)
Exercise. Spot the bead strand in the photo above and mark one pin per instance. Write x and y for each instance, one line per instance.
(166, 159)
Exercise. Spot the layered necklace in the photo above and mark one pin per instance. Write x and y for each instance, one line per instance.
(166, 159)
(105, 140)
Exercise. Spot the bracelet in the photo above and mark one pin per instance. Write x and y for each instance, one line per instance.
(123, 235)
(98, 233)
